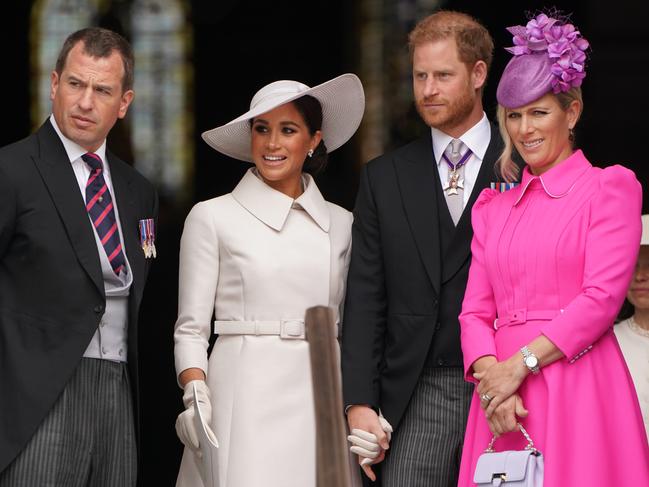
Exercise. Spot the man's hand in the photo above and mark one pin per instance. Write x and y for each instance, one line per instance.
(370, 437)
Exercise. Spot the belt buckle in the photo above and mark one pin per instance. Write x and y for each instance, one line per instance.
(517, 316)
(291, 329)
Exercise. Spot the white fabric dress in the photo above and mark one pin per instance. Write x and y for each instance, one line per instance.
(635, 348)
(257, 254)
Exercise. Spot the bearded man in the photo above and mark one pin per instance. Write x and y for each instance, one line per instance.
(402, 363)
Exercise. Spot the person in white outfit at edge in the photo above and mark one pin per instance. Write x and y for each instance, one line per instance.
(258, 258)
(633, 333)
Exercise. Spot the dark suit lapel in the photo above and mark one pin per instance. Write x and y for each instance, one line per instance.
(56, 171)
(419, 195)
(460, 247)
(126, 199)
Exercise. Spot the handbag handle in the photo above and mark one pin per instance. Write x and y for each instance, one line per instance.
(529, 446)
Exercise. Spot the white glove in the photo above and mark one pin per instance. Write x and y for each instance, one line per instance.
(365, 444)
(185, 425)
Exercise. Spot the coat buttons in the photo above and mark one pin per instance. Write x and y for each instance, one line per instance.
(99, 308)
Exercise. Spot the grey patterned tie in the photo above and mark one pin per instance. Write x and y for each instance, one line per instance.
(454, 191)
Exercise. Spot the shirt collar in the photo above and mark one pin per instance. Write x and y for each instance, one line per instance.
(74, 150)
(272, 207)
(477, 139)
(558, 181)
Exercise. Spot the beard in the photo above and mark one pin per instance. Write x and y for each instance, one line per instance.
(454, 112)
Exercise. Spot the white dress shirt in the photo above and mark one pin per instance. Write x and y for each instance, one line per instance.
(477, 139)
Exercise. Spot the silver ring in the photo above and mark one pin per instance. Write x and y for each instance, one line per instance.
(486, 398)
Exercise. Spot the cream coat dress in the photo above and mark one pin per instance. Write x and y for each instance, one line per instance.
(257, 254)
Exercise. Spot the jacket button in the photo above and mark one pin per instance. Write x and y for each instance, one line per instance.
(440, 361)
(99, 308)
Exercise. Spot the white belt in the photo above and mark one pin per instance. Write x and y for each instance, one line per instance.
(288, 329)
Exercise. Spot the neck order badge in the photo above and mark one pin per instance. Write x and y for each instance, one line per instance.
(455, 180)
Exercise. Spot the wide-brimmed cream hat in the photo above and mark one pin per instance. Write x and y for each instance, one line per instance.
(645, 230)
(342, 100)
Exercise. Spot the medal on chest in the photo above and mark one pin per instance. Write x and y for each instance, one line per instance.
(147, 237)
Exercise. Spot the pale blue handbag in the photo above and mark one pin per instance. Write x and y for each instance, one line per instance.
(513, 468)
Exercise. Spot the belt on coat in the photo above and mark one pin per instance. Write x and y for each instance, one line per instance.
(523, 315)
(288, 329)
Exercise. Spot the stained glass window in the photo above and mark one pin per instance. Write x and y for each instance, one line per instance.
(160, 118)
(52, 22)
(385, 69)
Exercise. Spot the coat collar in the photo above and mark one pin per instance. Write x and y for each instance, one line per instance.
(53, 164)
(52, 161)
(272, 207)
(558, 181)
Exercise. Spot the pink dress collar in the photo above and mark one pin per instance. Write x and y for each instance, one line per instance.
(558, 181)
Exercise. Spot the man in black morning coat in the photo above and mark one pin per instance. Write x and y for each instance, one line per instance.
(411, 242)
(72, 273)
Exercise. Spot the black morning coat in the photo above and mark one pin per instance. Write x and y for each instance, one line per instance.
(407, 276)
(51, 286)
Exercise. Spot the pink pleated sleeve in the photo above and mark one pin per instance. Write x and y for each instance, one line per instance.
(611, 251)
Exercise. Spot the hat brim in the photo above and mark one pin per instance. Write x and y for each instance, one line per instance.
(343, 104)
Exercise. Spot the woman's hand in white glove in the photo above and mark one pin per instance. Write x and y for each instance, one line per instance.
(185, 423)
(370, 437)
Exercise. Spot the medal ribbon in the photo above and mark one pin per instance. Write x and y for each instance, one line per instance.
(460, 163)
(147, 237)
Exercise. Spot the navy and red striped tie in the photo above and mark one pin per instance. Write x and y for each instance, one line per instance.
(100, 208)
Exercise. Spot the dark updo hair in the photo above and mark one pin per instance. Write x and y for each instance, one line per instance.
(311, 111)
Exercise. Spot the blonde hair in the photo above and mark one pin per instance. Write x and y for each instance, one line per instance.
(474, 43)
(508, 168)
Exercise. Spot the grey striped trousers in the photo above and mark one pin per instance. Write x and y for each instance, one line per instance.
(87, 439)
(426, 447)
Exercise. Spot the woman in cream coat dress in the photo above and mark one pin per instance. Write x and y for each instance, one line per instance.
(258, 258)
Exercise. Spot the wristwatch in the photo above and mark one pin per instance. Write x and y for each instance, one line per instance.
(530, 360)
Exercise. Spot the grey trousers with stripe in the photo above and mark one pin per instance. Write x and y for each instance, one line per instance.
(426, 447)
(87, 439)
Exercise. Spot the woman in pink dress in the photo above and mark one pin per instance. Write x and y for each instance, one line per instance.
(552, 259)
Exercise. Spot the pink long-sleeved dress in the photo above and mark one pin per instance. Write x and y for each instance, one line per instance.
(554, 257)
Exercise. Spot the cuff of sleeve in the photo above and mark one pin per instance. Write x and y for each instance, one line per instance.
(376, 410)
(190, 356)
(471, 356)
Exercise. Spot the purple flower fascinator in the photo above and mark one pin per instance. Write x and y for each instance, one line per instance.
(549, 54)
